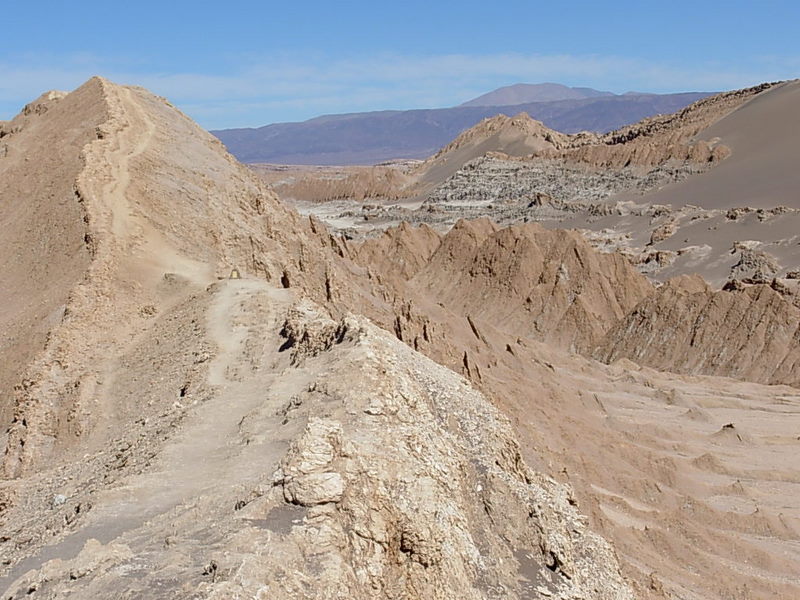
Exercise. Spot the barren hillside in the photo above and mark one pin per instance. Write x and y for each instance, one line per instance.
(43, 250)
(748, 332)
(234, 402)
(142, 436)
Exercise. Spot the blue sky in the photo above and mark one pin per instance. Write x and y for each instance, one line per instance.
(242, 63)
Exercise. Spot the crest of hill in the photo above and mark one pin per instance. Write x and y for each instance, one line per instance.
(515, 134)
(519, 135)
(129, 207)
(521, 93)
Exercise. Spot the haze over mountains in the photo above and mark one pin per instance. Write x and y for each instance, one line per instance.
(373, 137)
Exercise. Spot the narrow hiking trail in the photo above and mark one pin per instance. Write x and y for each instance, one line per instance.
(137, 252)
(133, 141)
(208, 452)
(211, 456)
(138, 238)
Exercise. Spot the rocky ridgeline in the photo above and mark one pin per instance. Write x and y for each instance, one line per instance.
(655, 140)
(550, 285)
(745, 331)
(694, 117)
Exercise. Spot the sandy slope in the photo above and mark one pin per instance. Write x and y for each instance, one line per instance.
(43, 251)
(762, 169)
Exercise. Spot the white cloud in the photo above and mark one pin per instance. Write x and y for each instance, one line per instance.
(266, 89)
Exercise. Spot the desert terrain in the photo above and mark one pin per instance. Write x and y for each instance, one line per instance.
(709, 190)
(533, 365)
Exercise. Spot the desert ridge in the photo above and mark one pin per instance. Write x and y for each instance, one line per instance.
(421, 414)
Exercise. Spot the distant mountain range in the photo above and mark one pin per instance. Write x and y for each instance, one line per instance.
(521, 93)
(373, 137)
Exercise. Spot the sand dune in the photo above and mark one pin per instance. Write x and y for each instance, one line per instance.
(762, 170)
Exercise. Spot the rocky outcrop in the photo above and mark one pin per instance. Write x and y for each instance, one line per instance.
(747, 332)
(400, 252)
(412, 486)
(754, 265)
(549, 285)
(506, 184)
